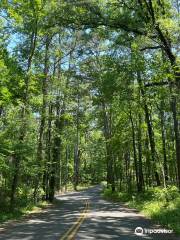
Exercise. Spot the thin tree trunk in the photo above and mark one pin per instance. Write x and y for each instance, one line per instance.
(148, 164)
(76, 147)
(43, 117)
(141, 177)
(109, 155)
(177, 137)
(150, 131)
(134, 151)
(14, 181)
(48, 153)
(66, 167)
(165, 167)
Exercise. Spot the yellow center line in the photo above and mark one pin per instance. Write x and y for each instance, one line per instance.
(70, 234)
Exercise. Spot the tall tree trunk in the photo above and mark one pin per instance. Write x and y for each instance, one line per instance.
(165, 167)
(148, 163)
(77, 151)
(109, 155)
(177, 136)
(43, 117)
(127, 171)
(55, 172)
(167, 48)
(15, 180)
(76, 147)
(150, 130)
(48, 152)
(76, 166)
(134, 151)
(17, 158)
(66, 167)
(141, 177)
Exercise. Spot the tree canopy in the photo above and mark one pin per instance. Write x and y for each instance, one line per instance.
(89, 92)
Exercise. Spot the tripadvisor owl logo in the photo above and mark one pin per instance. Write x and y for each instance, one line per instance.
(139, 231)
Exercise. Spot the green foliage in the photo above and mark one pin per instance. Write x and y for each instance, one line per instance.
(160, 204)
(21, 211)
(88, 93)
(166, 194)
(116, 196)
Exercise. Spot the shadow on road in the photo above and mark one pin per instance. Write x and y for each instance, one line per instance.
(105, 220)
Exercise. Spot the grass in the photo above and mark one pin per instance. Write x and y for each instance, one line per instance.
(80, 187)
(160, 204)
(24, 208)
(84, 186)
(18, 213)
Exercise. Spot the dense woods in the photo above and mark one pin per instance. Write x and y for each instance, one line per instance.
(89, 92)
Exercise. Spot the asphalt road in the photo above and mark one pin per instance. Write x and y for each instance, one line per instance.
(88, 216)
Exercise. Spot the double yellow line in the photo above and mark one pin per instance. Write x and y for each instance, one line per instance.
(70, 234)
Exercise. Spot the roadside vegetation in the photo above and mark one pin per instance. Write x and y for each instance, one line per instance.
(25, 207)
(89, 91)
(21, 211)
(160, 204)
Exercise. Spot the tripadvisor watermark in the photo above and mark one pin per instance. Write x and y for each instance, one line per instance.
(141, 231)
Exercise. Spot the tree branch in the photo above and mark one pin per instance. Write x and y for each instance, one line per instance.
(157, 84)
(150, 47)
